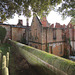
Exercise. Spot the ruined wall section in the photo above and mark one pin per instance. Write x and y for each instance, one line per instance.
(8, 29)
(17, 33)
(14, 32)
(35, 38)
(52, 38)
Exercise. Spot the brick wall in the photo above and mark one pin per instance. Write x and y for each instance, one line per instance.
(45, 37)
(56, 45)
(17, 33)
(8, 29)
(35, 34)
(14, 32)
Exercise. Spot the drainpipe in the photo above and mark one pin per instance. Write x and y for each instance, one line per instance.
(42, 39)
(46, 39)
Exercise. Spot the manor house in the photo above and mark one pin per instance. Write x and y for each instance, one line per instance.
(42, 35)
(55, 40)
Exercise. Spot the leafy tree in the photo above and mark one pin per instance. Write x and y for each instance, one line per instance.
(72, 21)
(9, 7)
(67, 8)
(2, 33)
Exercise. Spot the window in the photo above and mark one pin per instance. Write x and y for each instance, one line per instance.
(54, 34)
(36, 46)
(60, 49)
(63, 34)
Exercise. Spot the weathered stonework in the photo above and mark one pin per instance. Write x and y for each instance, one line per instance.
(14, 32)
(53, 39)
(46, 38)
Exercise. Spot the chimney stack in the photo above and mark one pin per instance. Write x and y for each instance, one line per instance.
(20, 22)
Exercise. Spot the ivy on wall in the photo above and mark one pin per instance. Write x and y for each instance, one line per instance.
(47, 49)
(69, 41)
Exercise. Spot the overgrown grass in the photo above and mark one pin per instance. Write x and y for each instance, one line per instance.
(4, 48)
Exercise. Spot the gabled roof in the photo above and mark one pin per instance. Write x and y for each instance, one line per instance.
(36, 17)
(44, 22)
(39, 20)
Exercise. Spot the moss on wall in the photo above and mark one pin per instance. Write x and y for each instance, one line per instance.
(55, 64)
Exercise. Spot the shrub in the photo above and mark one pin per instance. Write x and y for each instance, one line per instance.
(2, 33)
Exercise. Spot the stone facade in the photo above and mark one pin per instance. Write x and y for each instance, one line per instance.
(8, 29)
(35, 38)
(51, 39)
(17, 33)
(44, 36)
(41, 35)
(14, 32)
(70, 34)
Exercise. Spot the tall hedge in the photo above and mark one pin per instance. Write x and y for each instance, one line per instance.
(2, 33)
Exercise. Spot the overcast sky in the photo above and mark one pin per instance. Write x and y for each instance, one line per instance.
(53, 17)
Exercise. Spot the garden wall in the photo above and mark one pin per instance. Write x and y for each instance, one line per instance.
(14, 32)
(47, 64)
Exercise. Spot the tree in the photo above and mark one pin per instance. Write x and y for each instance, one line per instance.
(72, 21)
(67, 8)
(9, 7)
(2, 33)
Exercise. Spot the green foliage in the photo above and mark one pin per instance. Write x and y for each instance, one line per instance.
(67, 8)
(47, 48)
(69, 41)
(72, 21)
(9, 7)
(2, 33)
(3, 18)
(4, 48)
